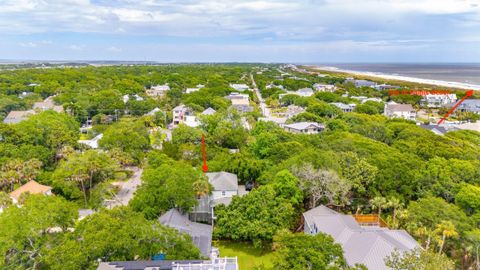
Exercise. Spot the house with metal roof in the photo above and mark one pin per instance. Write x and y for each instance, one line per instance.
(304, 127)
(367, 245)
(201, 234)
(224, 263)
(225, 187)
(470, 105)
(439, 129)
(209, 111)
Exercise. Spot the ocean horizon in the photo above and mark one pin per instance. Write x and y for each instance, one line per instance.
(468, 73)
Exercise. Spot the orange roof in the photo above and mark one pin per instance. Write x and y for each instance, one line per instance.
(32, 187)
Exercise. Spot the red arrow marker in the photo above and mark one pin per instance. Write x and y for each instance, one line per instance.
(469, 94)
(205, 166)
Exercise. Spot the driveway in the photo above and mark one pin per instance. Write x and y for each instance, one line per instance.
(127, 189)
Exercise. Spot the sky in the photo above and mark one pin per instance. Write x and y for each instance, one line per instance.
(304, 31)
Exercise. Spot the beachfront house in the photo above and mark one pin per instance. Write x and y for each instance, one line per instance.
(365, 239)
(470, 105)
(361, 83)
(438, 100)
(395, 110)
(304, 127)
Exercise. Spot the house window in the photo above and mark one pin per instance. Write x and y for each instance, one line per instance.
(224, 193)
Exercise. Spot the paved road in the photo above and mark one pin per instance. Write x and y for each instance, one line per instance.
(127, 189)
(263, 106)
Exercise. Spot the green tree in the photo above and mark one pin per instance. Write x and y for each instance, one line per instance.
(85, 170)
(255, 217)
(303, 251)
(286, 186)
(165, 187)
(118, 234)
(419, 260)
(468, 198)
(129, 136)
(24, 234)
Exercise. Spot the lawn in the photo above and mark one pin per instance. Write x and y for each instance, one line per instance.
(248, 255)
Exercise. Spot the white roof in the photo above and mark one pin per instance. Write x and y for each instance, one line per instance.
(304, 125)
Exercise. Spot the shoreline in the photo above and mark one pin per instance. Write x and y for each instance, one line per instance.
(459, 85)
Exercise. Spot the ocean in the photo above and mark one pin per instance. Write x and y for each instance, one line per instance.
(461, 73)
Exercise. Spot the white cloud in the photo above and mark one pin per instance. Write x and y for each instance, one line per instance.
(76, 47)
(114, 49)
(28, 44)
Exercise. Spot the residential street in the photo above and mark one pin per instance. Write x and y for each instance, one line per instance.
(127, 189)
(263, 106)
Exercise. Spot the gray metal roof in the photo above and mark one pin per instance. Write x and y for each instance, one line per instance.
(209, 111)
(201, 234)
(223, 181)
(364, 245)
(470, 105)
(304, 125)
(141, 265)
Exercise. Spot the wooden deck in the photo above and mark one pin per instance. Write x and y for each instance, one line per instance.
(370, 220)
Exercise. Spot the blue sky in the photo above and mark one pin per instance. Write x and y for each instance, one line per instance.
(314, 31)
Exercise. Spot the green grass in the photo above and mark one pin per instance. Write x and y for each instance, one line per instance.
(248, 255)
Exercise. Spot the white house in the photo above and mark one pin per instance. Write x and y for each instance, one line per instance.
(438, 100)
(304, 92)
(324, 87)
(180, 113)
(158, 90)
(395, 110)
(191, 121)
(225, 187)
(241, 102)
(304, 127)
(344, 107)
(239, 86)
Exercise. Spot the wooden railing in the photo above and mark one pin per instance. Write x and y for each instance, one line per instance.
(370, 220)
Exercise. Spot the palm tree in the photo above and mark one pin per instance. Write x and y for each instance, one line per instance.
(81, 178)
(445, 229)
(201, 188)
(424, 231)
(378, 203)
(395, 204)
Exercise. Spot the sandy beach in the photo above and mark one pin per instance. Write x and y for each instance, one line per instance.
(402, 78)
